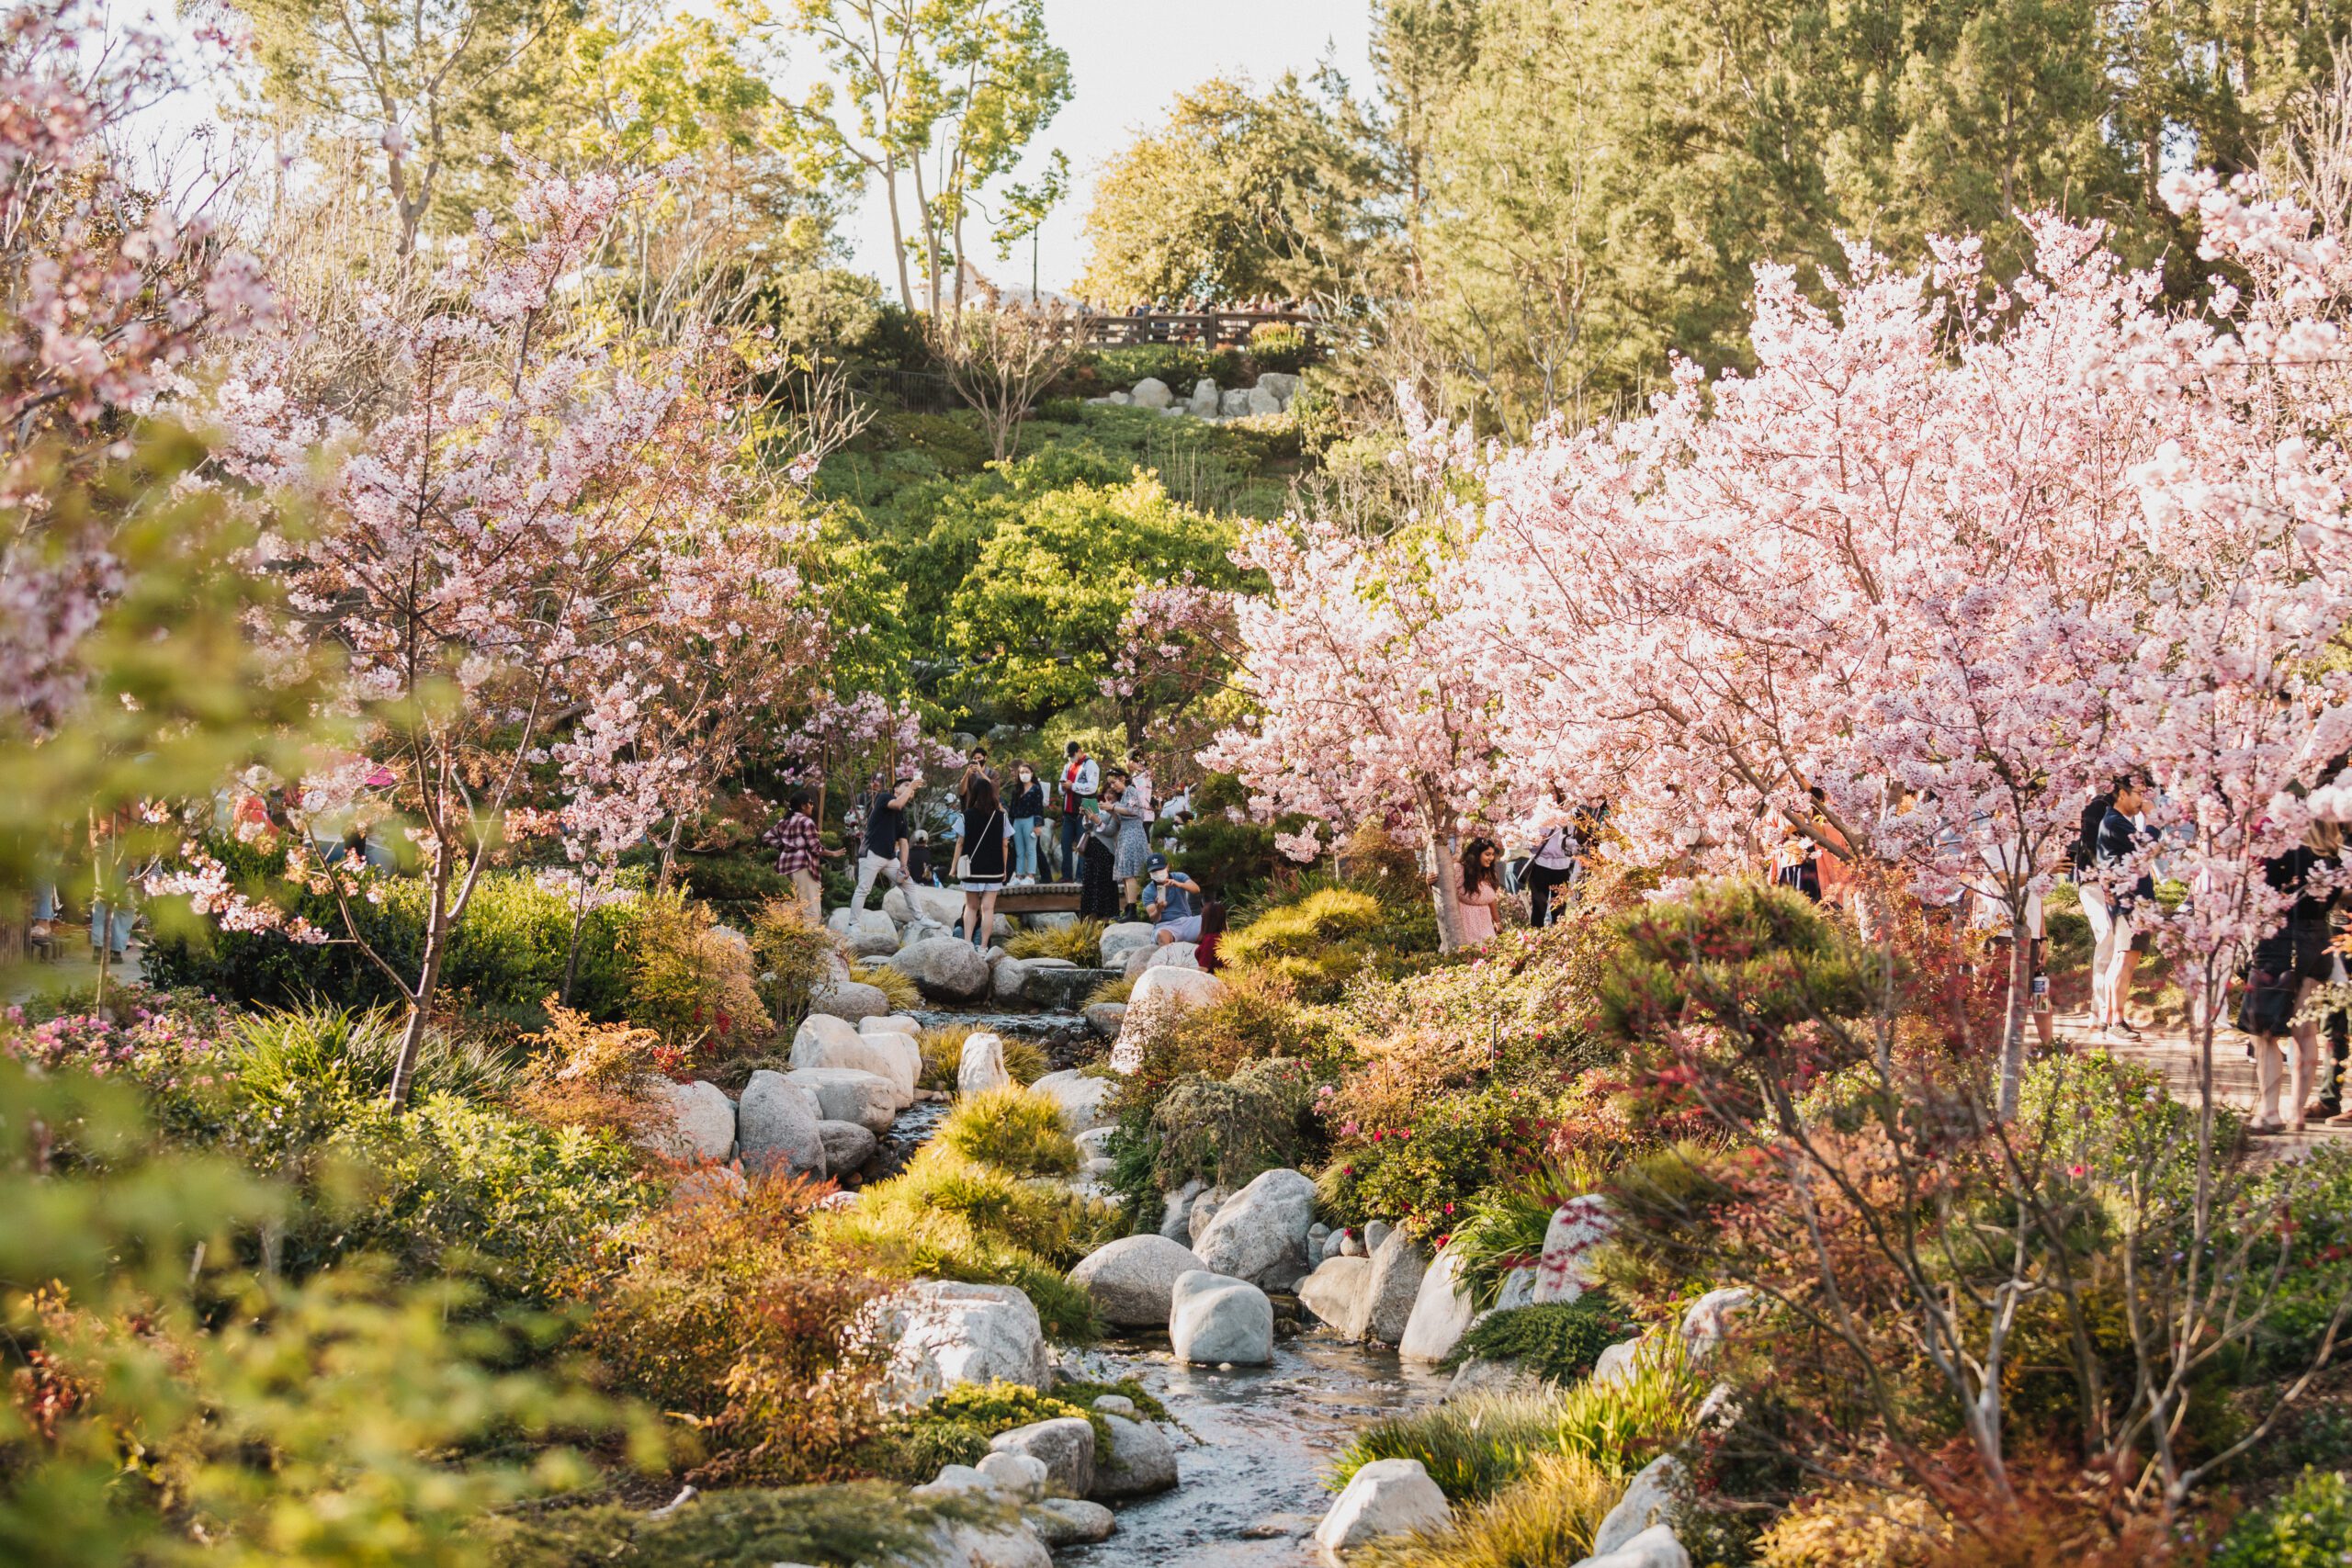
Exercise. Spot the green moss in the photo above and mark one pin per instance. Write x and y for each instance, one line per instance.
(1557, 1340)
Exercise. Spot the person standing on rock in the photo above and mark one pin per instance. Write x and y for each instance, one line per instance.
(886, 843)
(799, 851)
(1080, 782)
(988, 849)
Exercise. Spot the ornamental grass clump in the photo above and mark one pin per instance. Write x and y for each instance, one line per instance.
(1081, 941)
(1013, 1130)
(1547, 1518)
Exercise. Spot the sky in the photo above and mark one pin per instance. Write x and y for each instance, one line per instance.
(1128, 59)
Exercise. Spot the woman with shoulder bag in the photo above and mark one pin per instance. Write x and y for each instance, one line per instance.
(988, 849)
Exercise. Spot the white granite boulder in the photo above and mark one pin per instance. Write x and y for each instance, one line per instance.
(1649, 1499)
(1263, 400)
(1065, 1445)
(1214, 1318)
(1579, 1227)
(1142, 1460)
(1261, 1230)
(1708, 1322)
(1151, 393)
(891, 1023)
(1124, 938)
(947, 968)
(826, 1042)
(777, 1127)
(1105, 1017)
(1132, 1281)
(1396, 1285)
(848, 1145)
(1017, 1474)
(1339, 1294)
(1442, 1313)
(1202, 404)
(1069, 1521)
(849, 999)
(920, 901)
(981, 1067)
(701, 1121)
(1653, 1548)
(943, 1333)
(1388, 1496)
(1082, 1098)
(847, 1094)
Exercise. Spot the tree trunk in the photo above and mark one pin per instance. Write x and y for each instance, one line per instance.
(571, 954)
(897, 236)
(1445, 891)
(2020, 1003)
(436, 943)
(669, 853)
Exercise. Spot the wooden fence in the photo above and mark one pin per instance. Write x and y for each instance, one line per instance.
(1214, 329)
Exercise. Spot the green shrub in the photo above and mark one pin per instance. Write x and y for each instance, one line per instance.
(793, 956)
(2311, 1526)
(1081, 941)
(1226, 1132)
(1423, 1177)
(1320, 934)
(1557, 1340)
(1505, 1230)
(289, 1054)
(1279, 347)
(1470, 1447)
(1013, 1130)
(691, 983)
(836, 1526)
(1117, 990)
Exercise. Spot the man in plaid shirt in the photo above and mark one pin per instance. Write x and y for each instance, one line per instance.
(799, 850)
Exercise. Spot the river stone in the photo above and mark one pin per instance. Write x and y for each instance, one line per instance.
(1579, 1227)
(846, 922)
(847, 1094)
(894, 1023)
(1203, 1210)
(1707, 1324)
(1062, 987)
(1142, 1461)
(917, 930)
(1105, 1017)
(1615, 1363)
(981, 1546)
(1441, 1315)
(1080, 1097)
(1649, 1497)
(945, 967)
(1654, 1548)
(1151, 393)
(1352, 1243)
(848, 1146)
(1519, 1287)
(908, 1051)
(1114, 1405)
(1339, 1294)
(943, 1333)
(778, 1127)
(1318, 1236)
(1176, 1212)
(1213, 1318)
(1005, 977)
(826, 1042)
(1396, 1271)
(1019, 1476)
(922, 901)
(1095, 1141)
(1202, 404)
(1479, 1375)
(954, 1478)
(1167, 955)
(702, 1121)
(1260, 1230)
(1124, 938)
(981, 1067)
(1281, 383)
(867, 944)
(1264, 400)
(1233, 402)
(1388, 1496)
(1376, 1233)
(851, 999)
(1069, 1521)
(1065, 1445)
(1132, 1280)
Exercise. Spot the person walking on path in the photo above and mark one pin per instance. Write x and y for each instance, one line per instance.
(1079, 784)
(2285, 967)
(2120, 840)
(988, 850)
(1027, 809)
(885, 853)
(801, 850)
(1131, 806)
(1551, 867)
(1482, 890)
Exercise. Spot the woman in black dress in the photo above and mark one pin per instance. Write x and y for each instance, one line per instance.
(1098, 887)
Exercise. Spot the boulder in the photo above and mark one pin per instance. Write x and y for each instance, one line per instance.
(1170, 985)
(922, 901)
(1334, 1242)
(1081, 1098)
(943, 1333)
(707, 1181)
(846, 922)
(1124, 938)
(823, 1041)
(1059, 985)
(1478, 1375)
(1388, 1496)
(1203, 1210)
(1095, 1141)
(922, 929)
(1142, 1460)
(1518, 1288)
(871, 945)
(1352, 1245)
(1066, 1447)
(1115, 1405)
(1318, 1236)
(1442, 1313)
(1164, 956)
(1016, 1474)
(1281, 383)
(1708, 1322)
(847, 1094)
(849, 999)
(1376, 1234)
(1233, 402)
(955, 1478)
(1118, 400)
(778, 1127)
(702, 1121)
(1069, 1521)
(1203, 404)
(1176, 1210)
(1263, 400)
(981, 1067)
(1615, 1363)
(1649, 1497)
(945, 966)
(894, 1023)
(1396, 1285)
(982, 1546)
(1579, 1227)
(1653, 1548)
(1132, 1280)
(1339, 1294)
(1151, 393)
(902, 1046)
(1105, 1017)
(1005, 977)
(848, 1146)
(1213, 1318)
(1262, 1229)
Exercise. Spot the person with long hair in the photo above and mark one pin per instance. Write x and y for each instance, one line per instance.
(2281, 973)
(1482, 890)
(1027, 806)
(987, 857)
(1213, 919)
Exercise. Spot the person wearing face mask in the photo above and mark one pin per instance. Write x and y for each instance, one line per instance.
(1172, 902)
(1026, 806)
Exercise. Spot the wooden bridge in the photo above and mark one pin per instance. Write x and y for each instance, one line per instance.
(1213, 329)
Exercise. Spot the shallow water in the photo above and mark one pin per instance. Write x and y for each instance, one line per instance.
(1263, 1439)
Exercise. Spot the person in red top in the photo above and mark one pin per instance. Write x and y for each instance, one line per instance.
(798, 851)
(1212, 933)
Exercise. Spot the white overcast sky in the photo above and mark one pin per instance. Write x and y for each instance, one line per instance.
(1128, 60)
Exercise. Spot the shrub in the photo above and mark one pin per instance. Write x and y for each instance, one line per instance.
(1547, 1518)
(1423, 1173)
(1557, 1340)
(1013, 1130)
(1227, 1132)
(1315, 943)
(747, 1528)
(1081, 941)
(1506, 1227)
(594, 1075)
(693, 982)
(723, 1316)
(793, 954)
(896, 984)
(2311, 1526)
(1472, 1447)
(1279, 347)
(942, 1054)
(1117, 990)
(1852, 1527)
(287, 1053)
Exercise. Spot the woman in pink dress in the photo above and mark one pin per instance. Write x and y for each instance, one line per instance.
(1481, 891)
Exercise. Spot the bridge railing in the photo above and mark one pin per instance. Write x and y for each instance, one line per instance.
(1215, 329)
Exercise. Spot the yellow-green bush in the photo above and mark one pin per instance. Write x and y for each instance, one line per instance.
(1316, 944)
(904, 994)
(1547, 1519)
(793, 954)
(691, 983)
(1081, 941)
(1013, 1130)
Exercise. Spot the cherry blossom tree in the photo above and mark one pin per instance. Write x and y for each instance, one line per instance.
(533, 561)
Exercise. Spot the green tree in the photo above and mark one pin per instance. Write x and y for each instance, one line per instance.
(1242, 193)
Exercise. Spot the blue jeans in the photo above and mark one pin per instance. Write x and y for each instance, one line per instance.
(105, 920)
(1025, 846)
(1073, 830)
